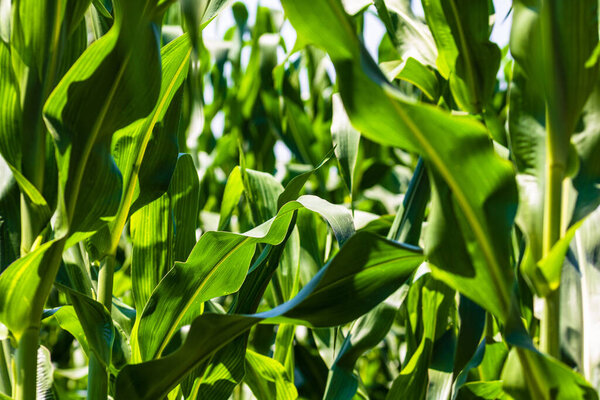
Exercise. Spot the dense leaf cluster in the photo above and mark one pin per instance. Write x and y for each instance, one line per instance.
(190, 218)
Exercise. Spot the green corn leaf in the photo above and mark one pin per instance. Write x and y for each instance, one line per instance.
(414, 72)
(373, 106)
(137, 147)
(587, 143)
(39, 33)
(294, 186)
(550, 267)
(262, 191)
(231, 197)
(280, 265)
(472, 318)
(198, 13)
(529, 375)
(68, 320)
(96, 324)
(184, 191)
(10, 217)
(267, 378)
(146, 151)
(284, 347)
(365, 271)
(366, 333)
(164, 231)
(82, 124)
(345, 141)
(433, 297)
(491, 390)
(466, 57)
(152, 234)
(24, 287)
(10, 130)
(214, 268)
(552, 41)
(227, 369)
(35, 26)
(408, 34)
(89, 322)
(406, 227)
(526, 124)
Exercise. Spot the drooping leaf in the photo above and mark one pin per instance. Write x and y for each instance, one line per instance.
(96, 324)
(528, 374)
(373, 106)
(227, 367)
(24, 286)
(217, 266)
(414, 72)
(67, 319)
(365, 271)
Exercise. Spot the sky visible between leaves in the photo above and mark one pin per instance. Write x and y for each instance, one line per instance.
(374, 31)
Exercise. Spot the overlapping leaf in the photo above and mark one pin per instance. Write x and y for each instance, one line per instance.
(217, 266)
(115, 82)
(365, 271)
(482, 202)
(466, 57)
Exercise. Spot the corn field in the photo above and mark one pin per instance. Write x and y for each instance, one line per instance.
(294, 207)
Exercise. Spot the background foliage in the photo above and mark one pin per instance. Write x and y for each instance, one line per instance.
(191, 218)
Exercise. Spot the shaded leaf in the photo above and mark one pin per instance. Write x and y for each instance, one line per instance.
(365, 271)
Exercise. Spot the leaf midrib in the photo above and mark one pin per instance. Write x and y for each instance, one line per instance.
(212, 271)
(463, 203)
(188, 304)
(466, 52)
(133, 181)
(353, 275)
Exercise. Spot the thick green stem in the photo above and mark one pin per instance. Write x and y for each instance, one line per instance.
(97, 380)
(105, 281)
(5, 383)
(29, 226)
(555, 173)
(550, 327)
(26, 365)
(97, 374)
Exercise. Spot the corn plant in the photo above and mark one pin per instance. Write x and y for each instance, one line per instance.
(186, 217)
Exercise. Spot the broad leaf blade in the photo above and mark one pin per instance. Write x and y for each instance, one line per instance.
(365, 271)
(483, 199)
(217, 266)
